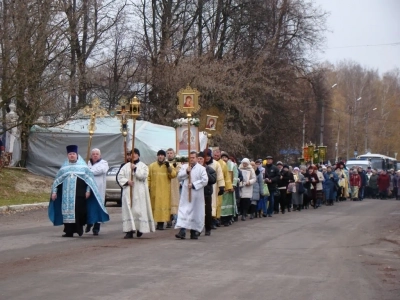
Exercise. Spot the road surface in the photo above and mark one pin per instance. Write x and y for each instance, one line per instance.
(348, 251)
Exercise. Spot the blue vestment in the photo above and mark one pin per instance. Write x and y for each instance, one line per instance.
(62, 210)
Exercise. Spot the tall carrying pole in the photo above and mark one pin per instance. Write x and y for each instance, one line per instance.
(134, 113)
(189, 142)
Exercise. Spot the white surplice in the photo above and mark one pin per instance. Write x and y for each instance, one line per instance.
(139, 216)
(191, 214)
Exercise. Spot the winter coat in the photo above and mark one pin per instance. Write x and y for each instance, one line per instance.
(355, 180)
(272, 173)
(383, 182)
(320, 182)
(373, 181)
(250, 176)
(364, 178)
(285, 178)
(212, 179)
(258, 185)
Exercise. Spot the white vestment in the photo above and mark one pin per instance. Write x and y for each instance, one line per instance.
(99, 170)
(191, 214)
(139, 216)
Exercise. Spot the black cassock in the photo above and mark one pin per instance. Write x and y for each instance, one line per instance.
(80, 209)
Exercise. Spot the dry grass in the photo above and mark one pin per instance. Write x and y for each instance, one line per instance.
(18, 186)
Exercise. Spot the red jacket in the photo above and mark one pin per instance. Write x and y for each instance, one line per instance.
(355, 180)
(383, 182)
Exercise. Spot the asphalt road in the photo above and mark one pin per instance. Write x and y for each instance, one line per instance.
(348, 251)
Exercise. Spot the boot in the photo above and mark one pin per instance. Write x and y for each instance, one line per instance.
(181, 235)
(129, 235)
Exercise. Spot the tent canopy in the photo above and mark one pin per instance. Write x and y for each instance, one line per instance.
(47, 149)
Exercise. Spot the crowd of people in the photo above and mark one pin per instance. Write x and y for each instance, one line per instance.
(210, 191)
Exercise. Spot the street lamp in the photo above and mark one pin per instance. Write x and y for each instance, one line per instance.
(366, 130)
(321, 134)
(304, 126)
(351, 113)
(337, 139)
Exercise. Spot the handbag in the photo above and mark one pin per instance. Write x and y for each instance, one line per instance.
(265, 191)
(291, 188)
(301, 189)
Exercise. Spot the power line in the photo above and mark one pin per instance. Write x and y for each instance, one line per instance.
(358, 46)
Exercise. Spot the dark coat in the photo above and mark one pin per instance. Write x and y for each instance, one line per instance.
(212, 179)
(272, 173)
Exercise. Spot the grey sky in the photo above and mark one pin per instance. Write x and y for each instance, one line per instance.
(360, 23)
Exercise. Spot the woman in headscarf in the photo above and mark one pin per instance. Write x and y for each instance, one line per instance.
(257, 190)
(297, 198)
(249, 178)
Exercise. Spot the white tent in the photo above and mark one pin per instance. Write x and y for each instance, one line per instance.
(47, 149)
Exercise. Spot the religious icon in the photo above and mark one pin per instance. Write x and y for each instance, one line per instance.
(211, 122)
(182, 139)
(188, 101)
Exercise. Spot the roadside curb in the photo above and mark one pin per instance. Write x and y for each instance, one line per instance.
(22, 207)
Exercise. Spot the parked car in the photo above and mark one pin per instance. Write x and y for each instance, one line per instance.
(113, 191)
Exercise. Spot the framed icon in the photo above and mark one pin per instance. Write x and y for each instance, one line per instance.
(211, 122)
(188, 100)
(182, 140)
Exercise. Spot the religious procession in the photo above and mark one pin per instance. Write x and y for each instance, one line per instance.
(209, 189)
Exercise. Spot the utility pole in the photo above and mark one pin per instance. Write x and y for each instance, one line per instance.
(337, 142)
(348, 133)
(321, 133)
(366, 132)
(304, 128)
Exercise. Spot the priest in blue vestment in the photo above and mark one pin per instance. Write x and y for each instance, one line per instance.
(75, 199)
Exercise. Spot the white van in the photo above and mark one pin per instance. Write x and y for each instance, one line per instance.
(358, 163)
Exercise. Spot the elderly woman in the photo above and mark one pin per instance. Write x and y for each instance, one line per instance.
(297, 197)
(246, 192)
(330, 185)
(311, 179)
(257, 190)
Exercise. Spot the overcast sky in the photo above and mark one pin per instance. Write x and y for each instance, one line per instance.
(361, 23)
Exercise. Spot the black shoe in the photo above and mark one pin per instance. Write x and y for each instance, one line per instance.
(68, 235)
(95, 233)
(169, 224)
(208, 233)
(139, 234)
(194, 235)
(160, 227)
(180, 235)
(88, 227)
(288, 209)
(283, 212)
(129, 235)
(226, 224)
(264, 215)
(276, 212)
(80, 233)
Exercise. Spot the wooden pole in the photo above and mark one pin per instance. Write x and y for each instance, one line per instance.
(189, 142)
(133, 148)
(125, 160)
